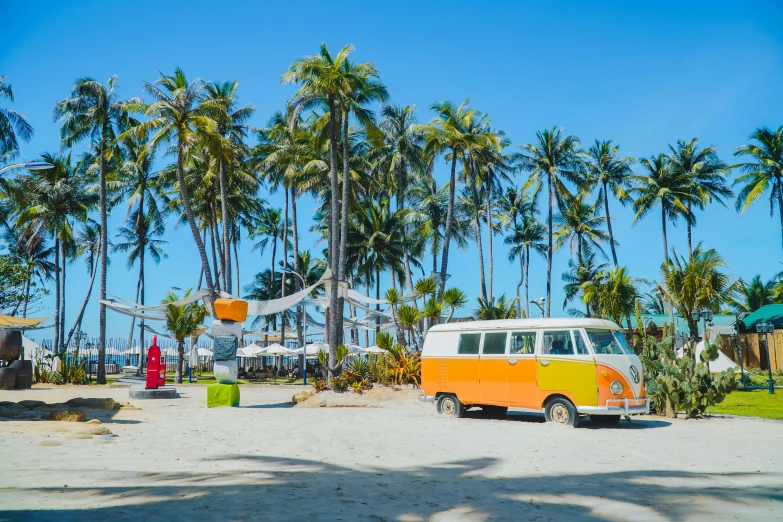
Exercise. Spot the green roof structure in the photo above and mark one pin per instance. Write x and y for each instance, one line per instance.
(766, 314)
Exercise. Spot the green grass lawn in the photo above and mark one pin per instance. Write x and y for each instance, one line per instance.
(754, 403)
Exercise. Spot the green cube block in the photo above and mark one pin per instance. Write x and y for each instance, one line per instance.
(222, 395)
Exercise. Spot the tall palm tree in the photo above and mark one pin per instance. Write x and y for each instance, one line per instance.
(181, 115)
(451, 133)
(764, 171)
(609, 171)
(660, 186)
(707, 175)
(13, 126)
(322, 83)
(526, 235)
(232, 129)
(554, 160)
(94, 112)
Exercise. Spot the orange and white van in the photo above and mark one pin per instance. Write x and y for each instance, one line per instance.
(566, 368)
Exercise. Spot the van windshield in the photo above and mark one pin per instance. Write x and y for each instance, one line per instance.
(606, 342)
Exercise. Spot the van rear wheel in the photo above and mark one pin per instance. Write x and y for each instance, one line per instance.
(561, 411)
(605, 419)
(450, 406)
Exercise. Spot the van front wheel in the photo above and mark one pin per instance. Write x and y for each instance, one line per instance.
(450, 406)
(561, 411)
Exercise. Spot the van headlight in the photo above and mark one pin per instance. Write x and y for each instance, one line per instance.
(616, 387)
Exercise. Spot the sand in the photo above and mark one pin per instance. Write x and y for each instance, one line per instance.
(178, 460)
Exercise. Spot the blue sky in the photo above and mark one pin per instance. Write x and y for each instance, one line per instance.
(644, 74)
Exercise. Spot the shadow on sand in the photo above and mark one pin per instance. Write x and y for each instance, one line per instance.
(268, 488)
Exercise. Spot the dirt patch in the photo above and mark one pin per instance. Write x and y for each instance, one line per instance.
(377, 397)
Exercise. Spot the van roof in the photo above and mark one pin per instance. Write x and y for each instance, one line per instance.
(505, 324)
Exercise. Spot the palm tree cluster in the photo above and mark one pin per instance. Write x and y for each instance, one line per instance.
(185, 151)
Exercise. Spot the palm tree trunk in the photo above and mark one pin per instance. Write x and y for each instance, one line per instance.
(335, 326)
(285, 264)
(274, 255)
(64, 261)
(180, 357)
(56, 346)
(300, 327)
(215, 253)
(521, 282)
(236, 259)
(77, 323)
(185, 196)
(377, 306)
(663, 227)
(549, 249)
(527, 281)
(609, 225)
(780, 205)
(688, 224)
(104, 167)
(27, 293)
(133, 318)
(405, 257)
(489, 230)
(444, 263)
(224, 217)
(480, 249)
(141, 322)
(345, 204)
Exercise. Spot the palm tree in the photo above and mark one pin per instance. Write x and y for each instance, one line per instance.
(764, 172)
(579, 225)
(697, 282)
(454, 299)
(578, 276)
(607, 170)
(94, 112)
(489, 309)
(182, 321)
(706, 173)
(47, 203)
(322, 82)
(756, 294)
(13, 126)
(451, 133)
(614, 294)
(88, 243)
(231, 127)
(553, 159)
(180, 114)
(399, 159)
(660, 186)
(526, 235)
(269, 228)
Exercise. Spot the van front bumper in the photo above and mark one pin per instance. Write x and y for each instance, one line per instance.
(423, 397)
(618, 407)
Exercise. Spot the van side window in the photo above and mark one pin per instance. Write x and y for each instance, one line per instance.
(523, 343)
(581, 347)
(494, 343)
(469, 343)
(557, 343)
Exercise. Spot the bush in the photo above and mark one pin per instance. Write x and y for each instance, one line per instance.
(683, 385)
(319, 385)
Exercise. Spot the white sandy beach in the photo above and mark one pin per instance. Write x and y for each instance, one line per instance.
(178, 460)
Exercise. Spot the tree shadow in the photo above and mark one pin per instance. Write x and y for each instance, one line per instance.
(274, 405)
(270, 488)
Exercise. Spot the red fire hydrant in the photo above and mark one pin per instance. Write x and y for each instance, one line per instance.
(153, 364)
(162, 371)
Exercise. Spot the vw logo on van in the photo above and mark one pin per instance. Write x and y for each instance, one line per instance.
(634, 374)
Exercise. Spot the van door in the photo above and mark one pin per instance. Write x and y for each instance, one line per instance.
(492, 368)
(521, 370)
(565, 365)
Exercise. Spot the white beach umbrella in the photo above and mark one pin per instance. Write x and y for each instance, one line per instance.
(169, 352)
(253, 350)
(204, 352)
(276, 349)
(354, 348)
(317, 347)
(373, 349)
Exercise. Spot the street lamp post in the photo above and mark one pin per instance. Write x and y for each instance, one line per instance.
(30, 165)
(298, 326)
(540, 304)
(766, 329)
